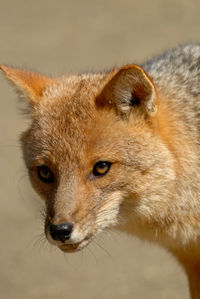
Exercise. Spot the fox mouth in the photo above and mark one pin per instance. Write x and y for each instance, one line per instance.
(75, 246)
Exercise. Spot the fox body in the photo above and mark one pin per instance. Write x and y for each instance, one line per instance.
(119, 149)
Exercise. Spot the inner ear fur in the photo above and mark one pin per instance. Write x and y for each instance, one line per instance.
(130, 87)
(31, 84)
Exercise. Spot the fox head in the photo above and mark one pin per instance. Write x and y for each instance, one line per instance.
(95, 154)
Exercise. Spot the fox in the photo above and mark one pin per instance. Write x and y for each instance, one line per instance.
(118, 149)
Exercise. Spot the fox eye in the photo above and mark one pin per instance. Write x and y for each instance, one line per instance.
(101, 168)
(45, 174)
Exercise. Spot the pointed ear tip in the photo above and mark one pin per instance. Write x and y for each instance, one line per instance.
(8, 69)
(134, 67)
(130, 66)
(4, 68)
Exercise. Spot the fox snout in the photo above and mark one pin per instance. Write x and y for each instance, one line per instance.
(68, 236)
(73, 231)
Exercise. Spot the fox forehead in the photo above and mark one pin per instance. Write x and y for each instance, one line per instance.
(68, 106)
(68, 122)
(69, 86)
(81, 133)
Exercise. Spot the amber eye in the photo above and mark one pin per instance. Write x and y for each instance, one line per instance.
(101, 168)
(45, 174)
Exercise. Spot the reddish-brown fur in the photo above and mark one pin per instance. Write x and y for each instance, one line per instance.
(152, 189)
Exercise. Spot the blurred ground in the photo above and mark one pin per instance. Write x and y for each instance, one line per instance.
(63, 36)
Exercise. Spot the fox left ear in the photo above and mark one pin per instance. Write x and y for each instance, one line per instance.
(29, 83)
(130, 87)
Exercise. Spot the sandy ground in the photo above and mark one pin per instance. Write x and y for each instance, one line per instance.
(63, 36)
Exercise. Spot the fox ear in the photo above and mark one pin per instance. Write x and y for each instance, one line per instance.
(29, 83)
(131, 87)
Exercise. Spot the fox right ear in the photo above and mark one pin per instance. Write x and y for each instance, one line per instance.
(31, 84)
(129, 88)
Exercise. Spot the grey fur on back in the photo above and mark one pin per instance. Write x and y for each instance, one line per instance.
(178, 67)
(176, 74)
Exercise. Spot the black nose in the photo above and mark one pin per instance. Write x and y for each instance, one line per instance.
(61, 232)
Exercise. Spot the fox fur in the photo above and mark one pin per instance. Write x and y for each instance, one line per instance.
(144, 120)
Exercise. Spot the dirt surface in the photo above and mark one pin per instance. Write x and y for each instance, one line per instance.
(55, 37)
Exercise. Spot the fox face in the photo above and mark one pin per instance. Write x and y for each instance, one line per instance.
(93, 153)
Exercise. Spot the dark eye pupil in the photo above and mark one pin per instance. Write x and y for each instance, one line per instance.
(102, 165)
(45, 174)
(101, 168)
